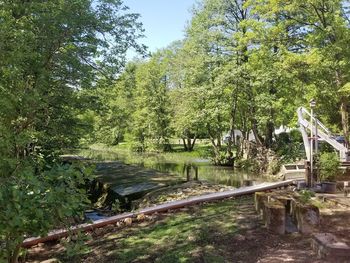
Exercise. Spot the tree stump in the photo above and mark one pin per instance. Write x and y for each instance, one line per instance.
(275, 220)
(260, 198)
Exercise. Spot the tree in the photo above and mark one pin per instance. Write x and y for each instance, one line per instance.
(184, 99)
(111, 107)
(218, 29)
(319, 31)
(49, 52)
(151, 118)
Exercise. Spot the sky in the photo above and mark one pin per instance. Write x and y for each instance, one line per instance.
(164, 21)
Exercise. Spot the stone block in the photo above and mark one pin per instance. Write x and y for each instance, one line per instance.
(307, 217)
(329, 247)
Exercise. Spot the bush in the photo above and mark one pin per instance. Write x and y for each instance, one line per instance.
(328, 166)
(33, 203)
(288, 146)
(305, 196)
(222, 158)
(250, 165)
(274, 166)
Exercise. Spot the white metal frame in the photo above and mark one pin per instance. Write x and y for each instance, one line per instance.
(321, 131)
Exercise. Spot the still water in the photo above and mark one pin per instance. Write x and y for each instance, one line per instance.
(125, 177)
(183, 169)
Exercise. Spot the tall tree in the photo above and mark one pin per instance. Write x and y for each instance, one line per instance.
(320, 33)
(152, 113)
(49, 51)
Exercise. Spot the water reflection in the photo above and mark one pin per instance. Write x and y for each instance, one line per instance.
(195, 169)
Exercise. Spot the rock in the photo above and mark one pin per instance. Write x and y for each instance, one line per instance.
(40, 244)
(119, 224)
(148, 218)
(240, 237)
(250, 235)
(260, 198)
(109, 228)
(328, 246)
(140, 217)
(74, 237)
(98, 231)
(51, 260)
(128, 221)
(191, 238)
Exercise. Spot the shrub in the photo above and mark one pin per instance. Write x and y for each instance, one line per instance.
(288, 146)
(305, 196)
(328, 166)
(31, 204)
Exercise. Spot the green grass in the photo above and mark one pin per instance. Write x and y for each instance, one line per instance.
(200, 234)
(176, 155)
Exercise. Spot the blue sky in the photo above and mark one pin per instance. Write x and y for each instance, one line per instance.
(164, 21)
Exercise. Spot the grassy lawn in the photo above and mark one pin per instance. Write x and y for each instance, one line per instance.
(179, 237)
(226, 231)
(206, 233)
(176, 155)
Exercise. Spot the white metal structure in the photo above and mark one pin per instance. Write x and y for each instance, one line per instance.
(322, 133)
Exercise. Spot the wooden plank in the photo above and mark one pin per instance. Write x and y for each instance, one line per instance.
(56, 234)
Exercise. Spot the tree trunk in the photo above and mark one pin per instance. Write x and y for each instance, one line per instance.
(193, 142)
(232, 138)
(189, 144)
(218, 142)
(185, 144)
(270, 128)
(343, 108)
(257, 137)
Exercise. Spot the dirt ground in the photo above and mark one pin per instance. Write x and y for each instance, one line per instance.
(226, 231)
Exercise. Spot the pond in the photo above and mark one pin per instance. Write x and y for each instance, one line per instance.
(177, 168)
(124, 176)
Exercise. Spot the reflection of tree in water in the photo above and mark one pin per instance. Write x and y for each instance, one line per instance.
(180, 170)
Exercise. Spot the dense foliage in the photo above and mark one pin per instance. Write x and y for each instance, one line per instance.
(329, 166)
(243, 69)
(51, 52)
